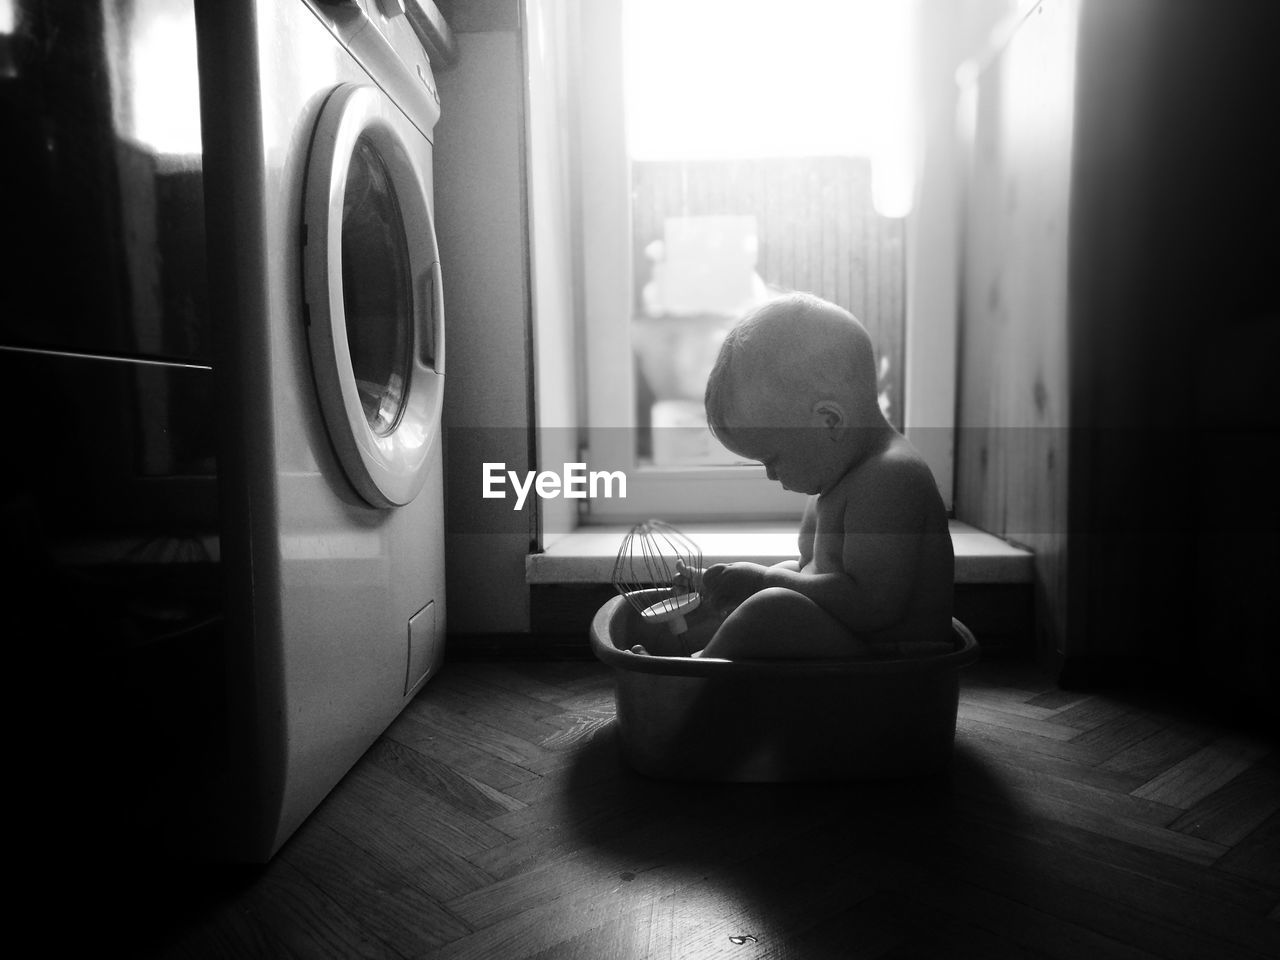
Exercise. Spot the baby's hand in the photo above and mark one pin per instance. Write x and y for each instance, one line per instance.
(687, 576)
(726, 585)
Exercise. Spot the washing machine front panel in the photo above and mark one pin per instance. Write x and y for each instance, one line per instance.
(374, 297)
(351, 575)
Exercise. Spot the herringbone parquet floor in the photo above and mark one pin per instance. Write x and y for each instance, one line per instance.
(495, 820)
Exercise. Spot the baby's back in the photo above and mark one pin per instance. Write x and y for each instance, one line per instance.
(886, 527)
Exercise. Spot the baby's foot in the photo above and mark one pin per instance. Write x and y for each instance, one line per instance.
(639, 650)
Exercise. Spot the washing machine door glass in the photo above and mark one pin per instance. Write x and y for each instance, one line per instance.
(376, 290)
(374, 300)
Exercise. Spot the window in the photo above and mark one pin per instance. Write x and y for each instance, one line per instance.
(731, 150)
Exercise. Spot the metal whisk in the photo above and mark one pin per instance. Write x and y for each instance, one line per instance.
(659, 571)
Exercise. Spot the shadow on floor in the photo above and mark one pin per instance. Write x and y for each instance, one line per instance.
(794, 870)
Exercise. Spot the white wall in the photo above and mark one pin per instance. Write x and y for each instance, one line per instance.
(483, 230)
(552, 170)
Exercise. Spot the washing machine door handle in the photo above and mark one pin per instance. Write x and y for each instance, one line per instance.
(431, 318)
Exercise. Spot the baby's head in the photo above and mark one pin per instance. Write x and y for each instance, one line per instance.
(796, 362)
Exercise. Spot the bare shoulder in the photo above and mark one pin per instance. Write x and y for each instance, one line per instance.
(897, 467)
(895, 486)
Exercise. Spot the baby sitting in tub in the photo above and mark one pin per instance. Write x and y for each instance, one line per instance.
(794, 387)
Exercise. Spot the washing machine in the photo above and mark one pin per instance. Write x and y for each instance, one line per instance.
(319, 118)
(223, 338)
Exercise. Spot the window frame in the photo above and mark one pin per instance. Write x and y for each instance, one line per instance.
(608, 432)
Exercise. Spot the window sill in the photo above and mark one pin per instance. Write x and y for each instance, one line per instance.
(587, 554)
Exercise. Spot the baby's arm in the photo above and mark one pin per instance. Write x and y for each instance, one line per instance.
(726, 585)
(731, 583)
(863, 576)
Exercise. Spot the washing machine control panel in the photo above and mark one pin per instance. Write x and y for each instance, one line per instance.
(388, 43)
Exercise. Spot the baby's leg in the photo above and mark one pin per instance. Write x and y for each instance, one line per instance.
(778, 623)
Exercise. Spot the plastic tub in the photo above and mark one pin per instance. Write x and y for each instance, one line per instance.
(777, 720)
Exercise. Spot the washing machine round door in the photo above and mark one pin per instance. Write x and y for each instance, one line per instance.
(375, 306)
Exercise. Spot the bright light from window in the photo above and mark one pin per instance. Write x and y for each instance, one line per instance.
(155, 84)
(727, 79)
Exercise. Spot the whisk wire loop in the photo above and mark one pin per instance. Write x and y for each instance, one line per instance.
(656, 570)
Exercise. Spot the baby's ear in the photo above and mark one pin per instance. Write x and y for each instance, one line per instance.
(829, 414)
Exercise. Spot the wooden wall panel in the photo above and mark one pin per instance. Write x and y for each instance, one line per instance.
(1012, 413)
(1122, 240)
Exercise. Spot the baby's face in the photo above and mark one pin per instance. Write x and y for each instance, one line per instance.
(795, 449)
